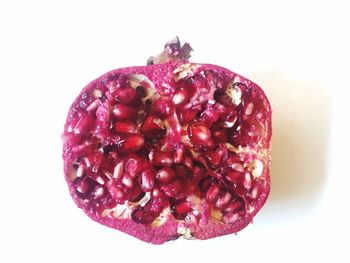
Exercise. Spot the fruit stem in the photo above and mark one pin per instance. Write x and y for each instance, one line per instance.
(173, 51)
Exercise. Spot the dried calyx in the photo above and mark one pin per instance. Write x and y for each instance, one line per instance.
(183, 151)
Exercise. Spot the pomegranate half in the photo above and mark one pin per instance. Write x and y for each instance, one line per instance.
(172, 149)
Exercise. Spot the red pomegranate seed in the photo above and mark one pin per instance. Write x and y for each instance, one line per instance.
(122, 112)
(84, 124)
(181, 96)
(223, 200)
(115, 191)
(187, 115)
(84, 187)
(141, 216)
(234, 206)
(128, 181)
(131, 144)
(124, 95)
(213, 193)
(135, 165)
(183, 208)
(153, 127)
(118, 171)
(199, 133)
(148, 177)
(173, 189)
(165, 175)
(163, 107)
(179, 153)
(160, 158)
(125, 127)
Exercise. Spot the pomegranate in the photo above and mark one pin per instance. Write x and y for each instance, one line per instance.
(172, 149)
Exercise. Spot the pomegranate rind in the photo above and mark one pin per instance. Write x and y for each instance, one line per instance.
(172, 228)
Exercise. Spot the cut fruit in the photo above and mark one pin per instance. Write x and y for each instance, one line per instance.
(169, 150)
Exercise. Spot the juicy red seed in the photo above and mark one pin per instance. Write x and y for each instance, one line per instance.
(134, 165)
(125, 127)
(209, 116)
(213, 193)
(163, 107)
(165, 175)
(183, 208)
(118, 171)
(205, 183)
(157, 193)
(181, 96)
(188, 163)
(234, 176)
(199, 133)
(219, 135)
(173, 189)
(84, 124)
(141, 216)
(234, 206)
(115, 191)
(182, 171)
(128, 181)
(153, 127)
(162, 159)
(122, 112)
(187, 115)
(135, 194)
(125, 95)
(223, 200)
(84, 187)
(215, 157)
(179, 154)
(148, 177)
(131, 144)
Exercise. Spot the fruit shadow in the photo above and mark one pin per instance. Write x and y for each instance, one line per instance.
(301, 117)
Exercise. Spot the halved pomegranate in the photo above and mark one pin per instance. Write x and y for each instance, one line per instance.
(173, 149)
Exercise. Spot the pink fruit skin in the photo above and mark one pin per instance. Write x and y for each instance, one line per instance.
(158, 74)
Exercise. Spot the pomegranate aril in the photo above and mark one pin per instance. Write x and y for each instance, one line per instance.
(179, 153)
(187, 115)
(141, 216)
(235, 206)
(160, 158)
(153, 127)
(128, 181)
(213, 193)
(181, 210)
(84, 187)
(125, 127)
(219, 134)
(209, 116)
(135, 164)
(123, 112)
(148, 177)
(135, 194)
(124, 95)
(173, 189)
(223, 200)
(84, 124)
(163, 107)
(165, 175)
(131, 144)
(118, 171)
(198, 133)
(181, 96)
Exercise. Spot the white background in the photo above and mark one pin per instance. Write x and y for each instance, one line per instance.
(297, 51)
